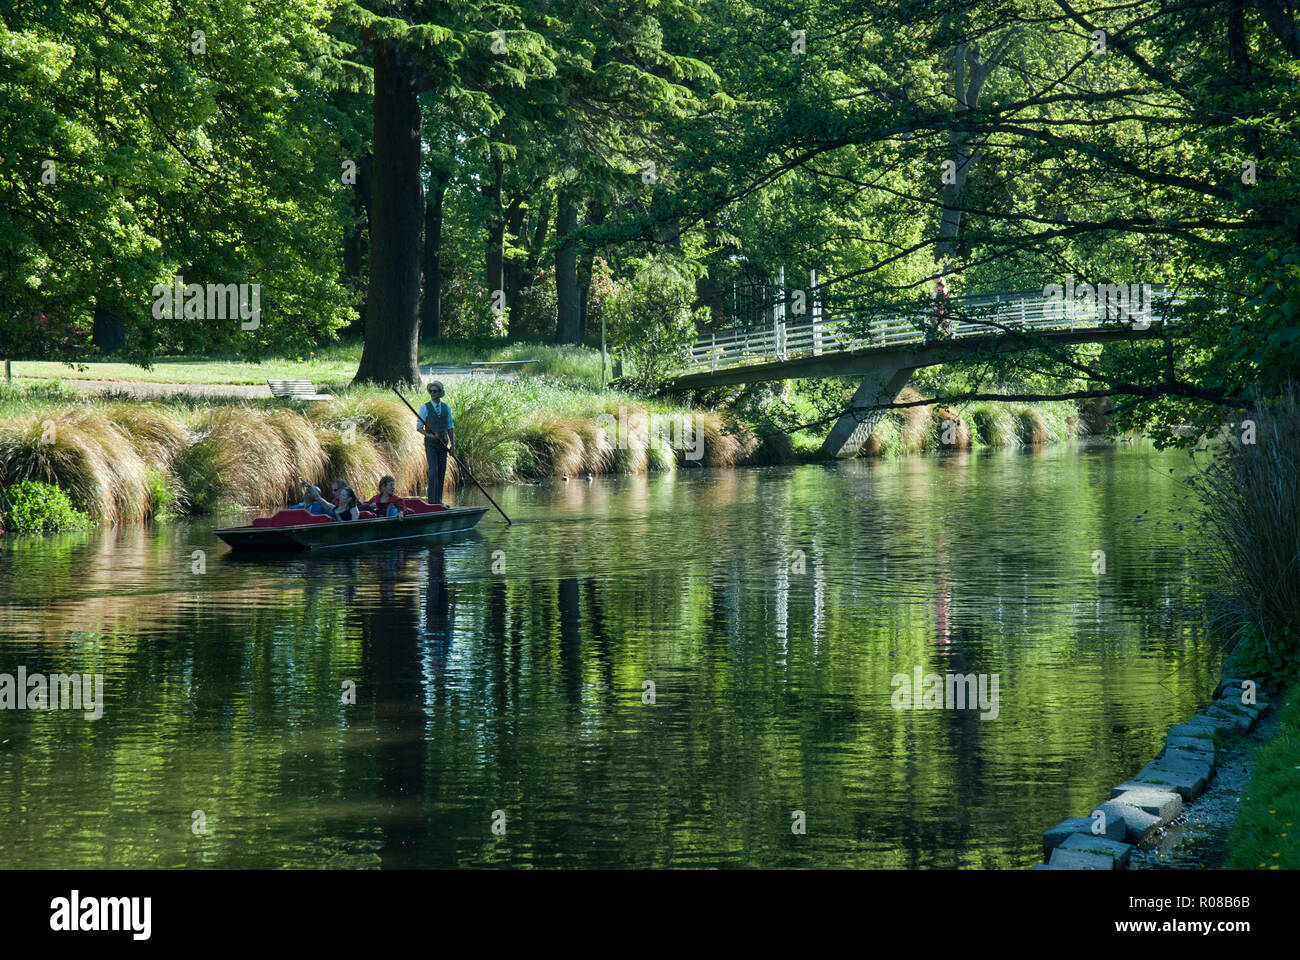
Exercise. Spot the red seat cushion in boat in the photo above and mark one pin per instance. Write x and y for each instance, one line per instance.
(365, 515)
(419, 506)
(290, 518)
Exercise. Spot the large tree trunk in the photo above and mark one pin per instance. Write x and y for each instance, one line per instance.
(496, 229)
(538, 241)
(392, 300)
(354, 244)
(595, 216)
(566, 273)
(431, 310)
(512, 271)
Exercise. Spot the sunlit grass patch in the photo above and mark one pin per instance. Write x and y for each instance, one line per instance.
(1264, 836)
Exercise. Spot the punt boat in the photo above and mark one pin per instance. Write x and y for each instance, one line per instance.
(302, 530)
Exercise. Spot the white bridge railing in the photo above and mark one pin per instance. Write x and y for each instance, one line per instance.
(967, 316)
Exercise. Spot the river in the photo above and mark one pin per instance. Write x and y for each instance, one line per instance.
(689, 670)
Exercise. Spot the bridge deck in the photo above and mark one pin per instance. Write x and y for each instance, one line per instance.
(970, 317)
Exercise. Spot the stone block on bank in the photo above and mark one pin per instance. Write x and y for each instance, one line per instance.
(1179, 756)
(1160, 802)
(1232, 705)
(1087, 843)
(1187, 780)
(1230, 683)
(1138, 824)
(1194, 744)
(1198, 726)
(1056, 835)
(1238, 720)
(1064, 859)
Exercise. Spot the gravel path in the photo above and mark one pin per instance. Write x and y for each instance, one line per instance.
(145, 388)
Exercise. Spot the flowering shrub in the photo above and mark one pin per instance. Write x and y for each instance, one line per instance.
(604, 287)
(537, 307)
(42, 336)
(467, 309)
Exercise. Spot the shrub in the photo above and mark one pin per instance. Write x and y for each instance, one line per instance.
(34, 507)
(536, 306)
(468, 309)
(650, 321)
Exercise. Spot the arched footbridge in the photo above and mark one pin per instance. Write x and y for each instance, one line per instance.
(886, 349)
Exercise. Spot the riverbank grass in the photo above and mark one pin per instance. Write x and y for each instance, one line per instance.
(1266, 834)
(122, 461)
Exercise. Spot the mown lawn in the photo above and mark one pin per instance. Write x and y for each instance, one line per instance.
(333, 365)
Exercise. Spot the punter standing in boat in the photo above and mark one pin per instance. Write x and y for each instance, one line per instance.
(437, 415)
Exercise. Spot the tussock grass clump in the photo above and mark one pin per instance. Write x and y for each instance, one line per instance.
(82, 453)
(883, 439)
(557, 449)
(598, 446)
(237, 458)
(948, 430)
(353, 456)
(1031, 425)
(659, 454)
(302, 442)
(1251, 498)
(913, 423)
(1094, 415)
(994, 424)
(390, 427)
(486, 434)
(156, 433)
(725, 443)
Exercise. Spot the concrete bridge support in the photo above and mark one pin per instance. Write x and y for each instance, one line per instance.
(851, 431)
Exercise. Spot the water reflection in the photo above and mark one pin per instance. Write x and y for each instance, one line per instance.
(769, 608)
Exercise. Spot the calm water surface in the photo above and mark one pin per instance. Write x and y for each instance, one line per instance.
(505, 671)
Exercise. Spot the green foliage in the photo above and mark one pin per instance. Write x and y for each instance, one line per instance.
(536, 308)
(35, 507)
(650, 319)
(468, 312)
(131, 157)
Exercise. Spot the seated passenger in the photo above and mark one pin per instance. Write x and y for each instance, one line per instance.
(314, 502)
(347, 508)
(382, 504)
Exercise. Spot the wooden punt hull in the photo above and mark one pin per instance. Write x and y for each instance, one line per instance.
(321, 536)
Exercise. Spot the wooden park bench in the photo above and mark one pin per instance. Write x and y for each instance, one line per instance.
(296, 390)
(502, 365)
